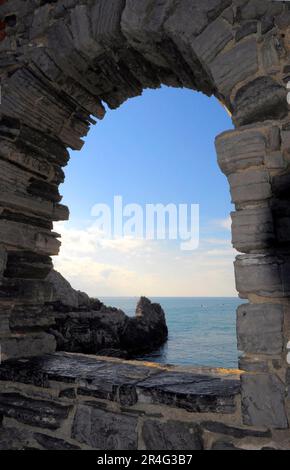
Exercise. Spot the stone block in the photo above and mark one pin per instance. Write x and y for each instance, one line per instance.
(37, 143)
(34, 412)
(27, 265)
(253, 229)
(12, 438)
(259, 100)
(263, 401)
(253, 363)
(104, 430)
(233, 431)
(260, 328)
(270, 54)
(24, 318)
(52, 112)
(189, 19)
(40, 23)
(60, 212)
(212, 40)
(53, 443)
(116, 382)
(44, 190)
(239, 150)
(250, 186)
(41, 208)
(275, 161)
(28, 238)
(172, 435)
(194, 393)
(259, 274)
(105, 16)
(82, 32)
(21, 345)
(58, 367)
(235, 66)
(26, 291)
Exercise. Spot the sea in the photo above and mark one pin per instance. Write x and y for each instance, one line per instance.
(202, 330)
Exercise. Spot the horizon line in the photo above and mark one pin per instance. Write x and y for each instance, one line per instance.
(176, 296)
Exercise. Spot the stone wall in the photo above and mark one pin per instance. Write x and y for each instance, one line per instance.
(255, 160)
(69, 401)
(61, 61)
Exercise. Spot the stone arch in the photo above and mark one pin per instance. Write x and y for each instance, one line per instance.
(60, 61)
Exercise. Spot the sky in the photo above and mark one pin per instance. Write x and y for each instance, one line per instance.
(156, 148)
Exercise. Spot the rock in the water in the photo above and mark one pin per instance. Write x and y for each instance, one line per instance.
(85, 325)
(148, 330)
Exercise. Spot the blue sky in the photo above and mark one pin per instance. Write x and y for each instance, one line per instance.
(157, 148)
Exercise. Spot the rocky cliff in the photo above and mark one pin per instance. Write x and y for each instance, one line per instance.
(86, 325)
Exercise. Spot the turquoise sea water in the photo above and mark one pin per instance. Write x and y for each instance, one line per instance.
(202, 330)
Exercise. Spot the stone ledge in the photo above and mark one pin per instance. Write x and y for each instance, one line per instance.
(128, 382)
(73, 401)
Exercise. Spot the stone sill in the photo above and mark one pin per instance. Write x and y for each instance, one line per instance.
(198, 390)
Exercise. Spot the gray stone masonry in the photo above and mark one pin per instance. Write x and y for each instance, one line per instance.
(61, 63)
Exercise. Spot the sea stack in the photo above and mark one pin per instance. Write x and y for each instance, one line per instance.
(86, 325)
(148, 330)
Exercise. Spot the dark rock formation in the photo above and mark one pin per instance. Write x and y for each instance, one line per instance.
(148, 330)
(86, 325)
(64, 297)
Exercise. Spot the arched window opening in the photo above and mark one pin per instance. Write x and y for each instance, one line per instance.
(157, 149)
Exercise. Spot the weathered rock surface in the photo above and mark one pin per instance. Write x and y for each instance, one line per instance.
(86, 325)
(64, 295)
(263, 401)
(52, 443)
(239, 433)
(70, 401)
(260, 328)
(41, 413)
(128, 383)
(200, 393)
(172, 435)
(260, 98)
(12, 439)
(104, 430)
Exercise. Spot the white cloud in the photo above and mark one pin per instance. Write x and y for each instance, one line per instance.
(224, 223)
(133, 267)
